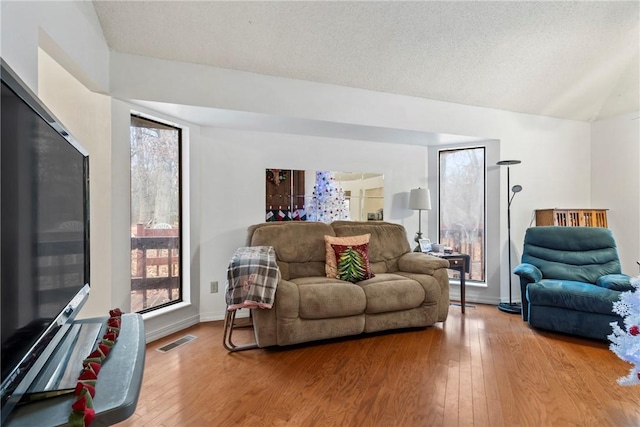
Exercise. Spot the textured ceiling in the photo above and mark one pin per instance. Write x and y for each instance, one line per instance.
(576, 60)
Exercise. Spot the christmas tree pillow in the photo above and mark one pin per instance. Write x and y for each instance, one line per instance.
(353, 262)
(331, 265)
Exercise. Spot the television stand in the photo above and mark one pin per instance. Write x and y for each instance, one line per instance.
(118, 385)
(60, 374)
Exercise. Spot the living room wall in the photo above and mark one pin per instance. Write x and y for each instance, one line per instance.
(615, 182)
(72, 103)
(555, 169)
(557, 155)
(68, 30)
(233, 189)
(70, 36)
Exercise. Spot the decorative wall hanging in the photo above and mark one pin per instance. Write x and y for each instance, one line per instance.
(276, 176)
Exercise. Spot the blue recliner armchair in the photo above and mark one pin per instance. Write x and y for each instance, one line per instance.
(569, 278)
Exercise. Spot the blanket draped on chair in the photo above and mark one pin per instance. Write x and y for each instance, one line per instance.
(252, 278)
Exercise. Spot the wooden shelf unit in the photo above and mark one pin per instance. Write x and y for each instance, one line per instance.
(572, 217)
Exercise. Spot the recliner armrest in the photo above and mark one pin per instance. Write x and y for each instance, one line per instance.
(616, 282)
(420, 263)
(529, 272)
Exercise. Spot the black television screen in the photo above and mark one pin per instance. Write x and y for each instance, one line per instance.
(44, 232)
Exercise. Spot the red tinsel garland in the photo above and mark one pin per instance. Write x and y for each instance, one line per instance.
(82, 413)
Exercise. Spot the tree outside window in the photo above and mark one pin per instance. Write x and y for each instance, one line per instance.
(155, 214)
(461, 216)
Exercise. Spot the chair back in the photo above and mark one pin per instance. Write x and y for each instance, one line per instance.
(571, 253)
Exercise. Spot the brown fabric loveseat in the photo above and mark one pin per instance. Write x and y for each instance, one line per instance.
(409, 289)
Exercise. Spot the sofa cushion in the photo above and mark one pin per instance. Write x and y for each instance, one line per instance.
(580, 254)
(431, 286)
(323, 297)
(299, 245)
(353, 262)
(572, 295)
(392, 292)
(331, 264)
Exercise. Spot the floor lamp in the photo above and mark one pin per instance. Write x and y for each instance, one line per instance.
(510, 307)
(419, 200)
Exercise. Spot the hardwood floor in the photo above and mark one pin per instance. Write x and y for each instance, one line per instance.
(483, 368)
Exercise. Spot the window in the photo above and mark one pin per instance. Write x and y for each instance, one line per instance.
(156, 279)
(461, 216)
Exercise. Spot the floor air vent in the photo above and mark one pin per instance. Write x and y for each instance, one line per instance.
(177, 343)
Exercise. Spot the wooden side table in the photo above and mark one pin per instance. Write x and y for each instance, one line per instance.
(460, 263)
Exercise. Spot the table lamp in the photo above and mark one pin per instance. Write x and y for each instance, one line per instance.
(419, 200)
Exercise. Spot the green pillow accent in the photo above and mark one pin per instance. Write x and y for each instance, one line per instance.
(353, 262)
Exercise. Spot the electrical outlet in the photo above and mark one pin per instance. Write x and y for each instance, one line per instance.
(214, 287)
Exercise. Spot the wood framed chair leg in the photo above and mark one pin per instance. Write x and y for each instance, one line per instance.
(227, 342)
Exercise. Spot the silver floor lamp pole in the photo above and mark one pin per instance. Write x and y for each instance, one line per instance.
(510, 307)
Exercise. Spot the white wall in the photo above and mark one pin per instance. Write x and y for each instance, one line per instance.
(233, 191)
(102, 125)
(70, 33)
(87, 116)
(615, 182)
(59, 46)
(555, 154)
(68, 30)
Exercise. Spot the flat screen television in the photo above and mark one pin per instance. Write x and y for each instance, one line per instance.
(44, 216)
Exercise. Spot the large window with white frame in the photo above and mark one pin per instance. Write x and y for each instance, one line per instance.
(462, 206)
(156, 214)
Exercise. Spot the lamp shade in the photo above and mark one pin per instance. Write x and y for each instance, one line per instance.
(420, 199)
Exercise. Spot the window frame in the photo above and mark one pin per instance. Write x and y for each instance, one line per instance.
(181, 194)
(484, 199)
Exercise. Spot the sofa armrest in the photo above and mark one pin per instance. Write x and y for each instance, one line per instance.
(418, 262)
(428, 269)
(529, 272)
(616, 282)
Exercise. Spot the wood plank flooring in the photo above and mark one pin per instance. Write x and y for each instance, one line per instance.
(483, 368)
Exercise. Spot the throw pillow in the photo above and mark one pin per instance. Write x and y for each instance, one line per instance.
(353, 262)
(331, 265)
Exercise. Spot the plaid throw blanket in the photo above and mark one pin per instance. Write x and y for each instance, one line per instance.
(252, 278)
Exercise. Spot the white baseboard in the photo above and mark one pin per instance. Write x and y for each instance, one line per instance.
(171, 329)
(185, 323)
(219, 315)
(490, 300)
